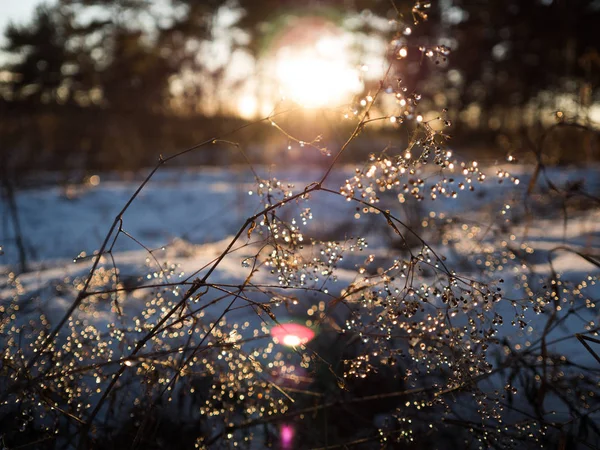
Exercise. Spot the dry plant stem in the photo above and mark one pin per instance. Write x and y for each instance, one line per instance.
(151, 356)
(587, 346)
(141, 343)
(368, 398)
(183, 312)
(365, 119)
(391, 217)
(191, 291)
(82, 293)
(14, 215)
(178, 373)
(31, 444)
(198, 282)
(185, 361)
(538, 151)
(118, 219)
(355, 442)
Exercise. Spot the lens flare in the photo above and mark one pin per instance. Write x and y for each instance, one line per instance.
(292, 334)
(318, 76)
(287, 436)
(316, 72)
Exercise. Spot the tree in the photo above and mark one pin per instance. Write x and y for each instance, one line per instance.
(518, 49)
(42, 73)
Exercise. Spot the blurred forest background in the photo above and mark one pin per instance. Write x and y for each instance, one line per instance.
(92, 85)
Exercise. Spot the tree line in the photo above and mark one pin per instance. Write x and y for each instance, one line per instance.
(92, 81)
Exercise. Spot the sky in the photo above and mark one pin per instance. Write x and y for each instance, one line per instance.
(16, 11)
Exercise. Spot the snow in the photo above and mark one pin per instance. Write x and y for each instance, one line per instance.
(188, 217)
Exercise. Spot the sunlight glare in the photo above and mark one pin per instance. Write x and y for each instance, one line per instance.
(291, 340)
(247, 107)
(319, 75)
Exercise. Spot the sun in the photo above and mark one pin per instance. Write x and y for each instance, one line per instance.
(317, 75)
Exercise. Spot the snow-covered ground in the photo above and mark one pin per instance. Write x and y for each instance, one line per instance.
(187, 217)
(184, 219)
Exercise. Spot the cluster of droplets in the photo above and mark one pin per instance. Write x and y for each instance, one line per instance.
(503, 174)
(404, 176)
(272, 191)
(358, 367)
(427, 323)
(407, 106)
(223, 375)
(314, 267)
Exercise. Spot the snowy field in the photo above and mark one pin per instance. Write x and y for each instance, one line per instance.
(184, 219)
(187, 217)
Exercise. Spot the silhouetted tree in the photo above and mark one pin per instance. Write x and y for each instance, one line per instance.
(42, 68)
(509, 51)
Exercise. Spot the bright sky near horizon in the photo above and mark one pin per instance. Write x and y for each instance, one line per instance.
(18, 11)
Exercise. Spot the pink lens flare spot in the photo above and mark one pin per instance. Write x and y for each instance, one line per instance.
(292, 334)
(287, 436)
